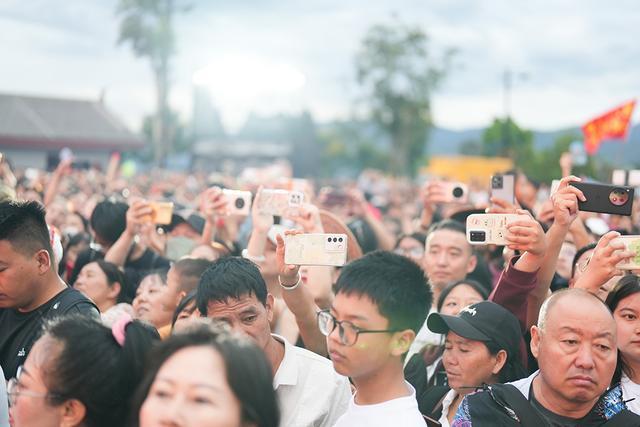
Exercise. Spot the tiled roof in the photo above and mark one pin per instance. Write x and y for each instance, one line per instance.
(37, 122)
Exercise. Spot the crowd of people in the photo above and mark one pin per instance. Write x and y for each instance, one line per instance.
(109, 318)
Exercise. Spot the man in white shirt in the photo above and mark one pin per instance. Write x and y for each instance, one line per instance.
(381, 301)
(310, 392)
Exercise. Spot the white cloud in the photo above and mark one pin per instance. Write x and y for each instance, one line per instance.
(579, 56)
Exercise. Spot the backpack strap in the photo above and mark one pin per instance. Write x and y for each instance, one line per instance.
(515, 404)
(64, 303)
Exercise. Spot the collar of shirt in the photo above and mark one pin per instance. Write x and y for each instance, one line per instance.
(287, 373)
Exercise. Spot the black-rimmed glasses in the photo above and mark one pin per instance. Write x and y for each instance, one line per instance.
(347, 331)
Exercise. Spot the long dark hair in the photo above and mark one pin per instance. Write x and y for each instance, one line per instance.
(473, 284)
(93, 368)
(626, 286)
(247, 370)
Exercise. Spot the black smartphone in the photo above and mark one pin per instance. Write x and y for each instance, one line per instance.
(605, 198)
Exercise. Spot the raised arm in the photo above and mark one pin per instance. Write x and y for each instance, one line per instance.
(299, 300)
(565, 212)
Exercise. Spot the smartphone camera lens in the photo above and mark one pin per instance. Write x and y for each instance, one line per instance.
(335, 239)
(478, 236)
(619, 197)
(496, 182)
(340, 239)
(329, 239)
(457, 192)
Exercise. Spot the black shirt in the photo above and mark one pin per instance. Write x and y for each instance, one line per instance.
(19, 331)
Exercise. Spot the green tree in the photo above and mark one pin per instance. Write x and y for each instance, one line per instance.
(147, 25)
(504, 138)
(545, 166)
(398, 76)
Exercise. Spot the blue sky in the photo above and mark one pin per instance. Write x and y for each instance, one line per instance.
(577, 58)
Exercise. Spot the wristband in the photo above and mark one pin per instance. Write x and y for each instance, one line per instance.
(292, 287)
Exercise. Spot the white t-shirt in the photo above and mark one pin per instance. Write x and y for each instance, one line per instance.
(630, 390)
(310, 392)
(400, 412)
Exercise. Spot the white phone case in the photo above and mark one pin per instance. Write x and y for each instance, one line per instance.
(489, 229)
(279, 202)
(316, 249)
(631, 243)
(238, 202)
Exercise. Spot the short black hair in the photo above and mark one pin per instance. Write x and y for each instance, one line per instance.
(247, 371)
(184, 304)
(230, 278)
(109, 220)
(23, 224)
(448, 224)
(394, 283)
(94, 369)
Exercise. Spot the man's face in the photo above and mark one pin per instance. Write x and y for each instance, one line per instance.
(448, 258)
(576, 351)
(371, 351)
(19, 275)
(172, 295)
(246, 315)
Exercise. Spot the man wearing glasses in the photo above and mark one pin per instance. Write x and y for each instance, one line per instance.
(381, 302)
(310, 392)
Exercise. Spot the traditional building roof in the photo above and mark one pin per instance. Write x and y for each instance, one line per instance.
(31, 122)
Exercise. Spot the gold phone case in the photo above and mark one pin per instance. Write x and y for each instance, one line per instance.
(316, 249)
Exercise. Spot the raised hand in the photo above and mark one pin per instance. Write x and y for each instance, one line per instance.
(526, 234)
(565, 201)
(288, 272)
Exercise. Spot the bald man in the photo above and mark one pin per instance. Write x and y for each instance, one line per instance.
(575, 345)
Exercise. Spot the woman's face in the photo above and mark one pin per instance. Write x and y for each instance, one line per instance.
(182, 396)
(459, 297)
(147, 304)
(627, 315)
(468, 363)
(30, 406)
(93, 283)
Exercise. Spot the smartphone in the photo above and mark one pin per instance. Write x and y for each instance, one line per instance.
(316, 249)
(503, 187)
(455, 192)
(279, 202)
(631, 243)
(489, 229)
(162, 212)
(238, 202)
(555, 184)
(605, 198)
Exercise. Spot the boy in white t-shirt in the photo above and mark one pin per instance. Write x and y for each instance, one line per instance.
(381, 302)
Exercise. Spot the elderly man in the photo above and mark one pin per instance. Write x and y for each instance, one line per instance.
(575, 344)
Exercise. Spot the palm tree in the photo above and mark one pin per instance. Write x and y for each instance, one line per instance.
(147, 26)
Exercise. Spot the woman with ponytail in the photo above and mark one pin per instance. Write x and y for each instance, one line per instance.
(81, 373)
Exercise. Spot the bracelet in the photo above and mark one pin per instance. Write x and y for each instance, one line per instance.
(292, 287)
(256, 259)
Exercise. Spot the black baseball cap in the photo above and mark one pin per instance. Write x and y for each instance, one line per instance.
(484, 321)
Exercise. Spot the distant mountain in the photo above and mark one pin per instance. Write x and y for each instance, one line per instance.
(444, 142)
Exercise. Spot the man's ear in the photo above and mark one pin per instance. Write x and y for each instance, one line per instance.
(180, 296)
(401, 342)
(44, 261)
(535, 341)
(471, 265)
(269, 306)
(72, 413)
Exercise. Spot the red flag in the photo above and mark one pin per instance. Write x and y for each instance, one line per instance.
(613, 124)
